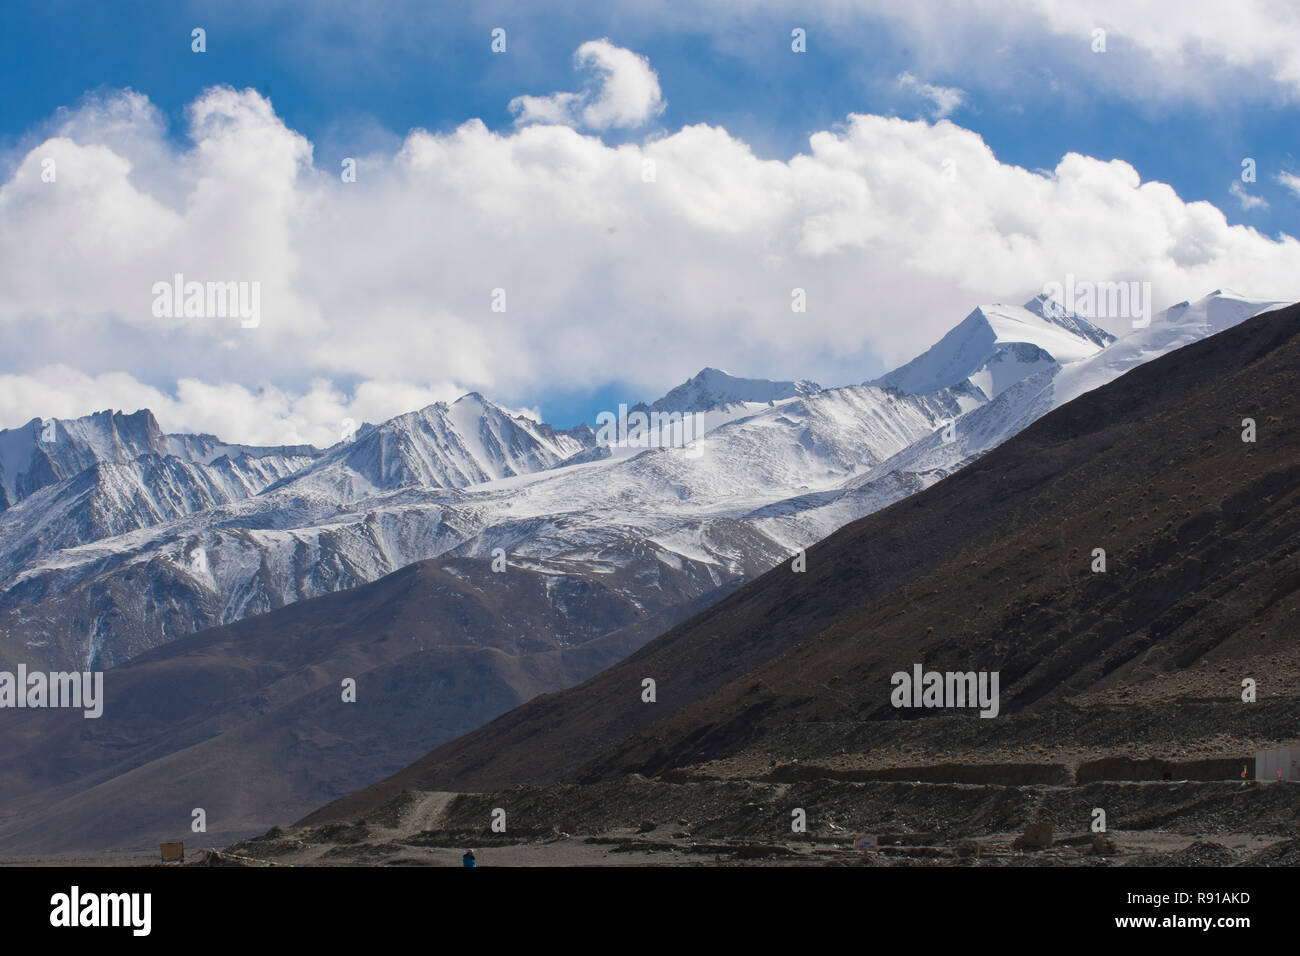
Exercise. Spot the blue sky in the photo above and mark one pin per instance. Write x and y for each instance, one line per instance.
(339, 79)
(357, 78)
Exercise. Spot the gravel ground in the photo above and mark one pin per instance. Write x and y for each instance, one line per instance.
(635, 821)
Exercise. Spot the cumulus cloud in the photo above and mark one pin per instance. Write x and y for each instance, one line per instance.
(539, 258)
(1158, 50)
(622, 92)
(943, 99)
(260, 415)
(1187, 45)
(1248, 201)
(1204, 50)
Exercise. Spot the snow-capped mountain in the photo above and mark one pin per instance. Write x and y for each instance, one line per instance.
(41, 453)
(665, 509)
(67, 482)
(712, 389)
(1042, 392)
(468, 442)
(780, 466)
(998, 345)
(1171, 329)
(988, 424)
(45, 452)
(111, 498)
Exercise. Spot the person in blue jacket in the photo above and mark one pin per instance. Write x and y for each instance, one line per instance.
(468, 859)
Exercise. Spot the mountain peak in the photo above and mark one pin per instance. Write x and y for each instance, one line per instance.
(444, 445)
(38, 454)
(997, 345)
(713, 389)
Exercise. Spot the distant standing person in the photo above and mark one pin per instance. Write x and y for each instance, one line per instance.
(468, 859)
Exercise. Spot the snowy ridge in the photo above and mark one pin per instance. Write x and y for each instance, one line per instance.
(465, 443)
(110, 499)
(1171, 329)
(206, 449)
(303, 536)
(247, 534)
(998, 345)
(34, 456)
(933, 458)
(712, 389)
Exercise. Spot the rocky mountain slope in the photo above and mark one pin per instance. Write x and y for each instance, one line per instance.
(993, 570)
(600, 557)
(249, 721)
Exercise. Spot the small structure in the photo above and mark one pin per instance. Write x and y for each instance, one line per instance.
(172, 852)
(1279, 763)
(865, 841)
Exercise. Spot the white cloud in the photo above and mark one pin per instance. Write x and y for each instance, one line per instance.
(378, 295)
(534, 413)
(1290, 181)
(1248, 202)
(1220, 51)
(263, 415)
(622, 92)
(943, 99)
(1187, 46)
(1202, 50)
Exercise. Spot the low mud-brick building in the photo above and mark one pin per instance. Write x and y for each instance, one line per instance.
(1285, 759)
